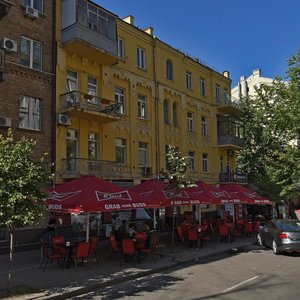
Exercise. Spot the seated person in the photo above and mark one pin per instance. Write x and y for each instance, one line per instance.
(146, 227)
(124, 230)
(131, 231)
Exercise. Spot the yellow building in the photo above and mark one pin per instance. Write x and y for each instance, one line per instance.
(123, 95)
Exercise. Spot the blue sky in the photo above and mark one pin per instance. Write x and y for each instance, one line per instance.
(234, 35)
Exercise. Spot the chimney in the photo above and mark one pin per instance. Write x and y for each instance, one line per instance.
(129, 19)
(256, 73)
(226, 74)
(149, 30)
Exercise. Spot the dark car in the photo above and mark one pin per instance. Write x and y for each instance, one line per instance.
(280, 235)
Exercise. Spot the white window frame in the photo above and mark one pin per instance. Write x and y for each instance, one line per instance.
(142, 106)
(218, 91)
(121, 48)
(93, 145)
(29, 59)
(192, 161)
(143, 154)
(120, 145)
(190, 121)
(92, 88)
(188, 79)
(72, 139)
(30, 113)
(205, 162)
(36, 4)
(202, 87)
(120, 99)
(204, 128)
(226, 96)
(141, 58)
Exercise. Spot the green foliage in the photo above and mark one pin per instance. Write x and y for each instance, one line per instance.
(21, 181)
(272, 125)
(174, 176)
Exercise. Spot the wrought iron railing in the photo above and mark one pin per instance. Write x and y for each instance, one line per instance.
(233, 177)
(88, 102)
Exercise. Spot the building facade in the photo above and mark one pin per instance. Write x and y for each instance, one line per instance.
(123, 96)
(27, 80)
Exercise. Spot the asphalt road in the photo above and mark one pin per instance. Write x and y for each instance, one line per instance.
(255, 273)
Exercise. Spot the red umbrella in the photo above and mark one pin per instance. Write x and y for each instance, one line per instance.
(157, 189)
(245, 195)
(208, 194)
(90, 193)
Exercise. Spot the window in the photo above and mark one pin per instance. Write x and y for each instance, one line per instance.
(72, 86)
(143, 154)
(120, 151)
(121, 48)
(221, 164)
(202, 87)
(204, 125)
(120, 99)
(190, 119)
(72, 150)
(30, 113)
(166, 112)
(175, 114)
(192, 161)
(218, 97)
(205, 162)
(141, 58)
(31, 54)
(188, 78)
(92, 146)
(142, 106)
(169, 69)
(92, 89)
(36, 4)
(226, 96)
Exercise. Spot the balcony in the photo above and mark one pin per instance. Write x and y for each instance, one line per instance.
(229, 106)
(89, 31)
(76, 167)
(233, 177)
(230, 133)
(146, 171)
(89, 107)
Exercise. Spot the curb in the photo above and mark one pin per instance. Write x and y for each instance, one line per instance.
(174, 264)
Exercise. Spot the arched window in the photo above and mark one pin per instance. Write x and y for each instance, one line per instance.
(175, 114)
(169, 68)
(166, 112)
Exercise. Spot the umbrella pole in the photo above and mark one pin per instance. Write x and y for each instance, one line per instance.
(154, 218)
(87, 227)
(173, 230)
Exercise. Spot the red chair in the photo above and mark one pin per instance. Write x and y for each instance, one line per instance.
(128, 250)
(153, 245)
(59, 245)
(47, 256)
(140, 238)
(114, 246)
(248, 229)
(180, 233)
(224, 233)
(82, 252)
(93, 247)
(256, 226)
(193, 237)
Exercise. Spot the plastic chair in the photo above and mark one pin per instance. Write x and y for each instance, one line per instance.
(82, 252)
(180, 233)
(224, 233)
(58, 243)
(128, 250)
(153, 245)
(140, 238)
(193, 237)
(114, 247)
(93, 247)
(47, 256)
(248, 229)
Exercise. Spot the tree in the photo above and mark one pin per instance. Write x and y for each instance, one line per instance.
(174, 176)
(272, 125)
(21, 182)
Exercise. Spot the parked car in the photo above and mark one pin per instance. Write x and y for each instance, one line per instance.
(280, 235)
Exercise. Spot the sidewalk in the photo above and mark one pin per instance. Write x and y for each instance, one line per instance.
(57, 283)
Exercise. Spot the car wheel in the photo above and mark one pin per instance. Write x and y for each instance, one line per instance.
(275, 248)
(259, 240)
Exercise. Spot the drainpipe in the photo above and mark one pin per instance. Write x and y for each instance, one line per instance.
(156, 106)
(53, 109)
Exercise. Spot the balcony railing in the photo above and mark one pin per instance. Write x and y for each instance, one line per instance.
(88, 102)
(74, 167)
(226, 140)
(229, 106)
(233, 177)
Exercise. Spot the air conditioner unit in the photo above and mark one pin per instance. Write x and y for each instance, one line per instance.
(31, 12)
(9, 45)
(63, 120)
(5, 122)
